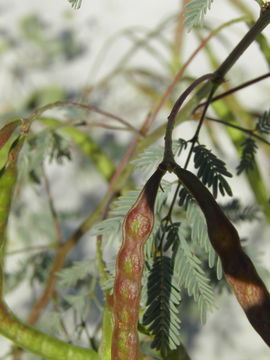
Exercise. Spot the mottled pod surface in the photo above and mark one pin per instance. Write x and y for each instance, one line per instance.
(137, 227)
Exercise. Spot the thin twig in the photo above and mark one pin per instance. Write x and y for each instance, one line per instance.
(181, 72)
(235, 89)
(179, 31)
(196, 135)
(167, 218)
(168, 154)
(247, 131)
(92, 124)
(84, 107)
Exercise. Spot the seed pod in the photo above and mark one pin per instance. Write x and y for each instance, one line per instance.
(239, 270)
(6, 131)
(8, 177)
(137, 227)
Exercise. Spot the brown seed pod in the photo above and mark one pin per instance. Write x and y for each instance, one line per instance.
(137, 227)
(239, 270)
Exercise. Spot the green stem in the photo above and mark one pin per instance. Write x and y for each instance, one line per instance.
(37, 342)
(247, 40)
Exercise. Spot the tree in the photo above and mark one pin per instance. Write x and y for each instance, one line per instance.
(178, 240)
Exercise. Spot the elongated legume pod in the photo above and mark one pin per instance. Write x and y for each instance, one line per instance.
(137, 227)
(239, 270)
(6, 131)
(8, 176)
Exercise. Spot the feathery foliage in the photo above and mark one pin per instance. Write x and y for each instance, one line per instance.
(196, 9)
(199, 234)
(46, 145)
(111, 227)
(76, 4)
(152, 156)
(171, 235)
(236, 212)
(248, 153)
(184, 197)
(211, 170)
(162, 314)
(263, 123)
(192, 277)
(149, 159)
(78, 271)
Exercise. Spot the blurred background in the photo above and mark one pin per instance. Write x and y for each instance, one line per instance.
(98, 55)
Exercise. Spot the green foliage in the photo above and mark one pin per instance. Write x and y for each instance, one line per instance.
(171, 235)
(211, 171)
(236, 212)
(184, 197)
(76, 4)
(47, 145)
(199, 234)
(33, 28)
(263, 123)
(35, 269)
(162, 313)
(191, 276)
(111, 227)
(149, 159)
(196, 9)
(249, 149)
(78, 271)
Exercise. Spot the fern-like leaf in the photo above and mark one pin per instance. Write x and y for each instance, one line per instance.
(171, 235)
(263, 123)
(211, 170)
(249, 149)
(59, 148)
(161, 316)
(236, 212)
(111, 227)
(179, 145)
(185, 198)
(199, 236)
(193, 278)
(78, 271)
(196, 9)
(76, 4)
(149, 159)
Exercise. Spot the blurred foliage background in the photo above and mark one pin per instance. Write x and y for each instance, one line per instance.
(119, 58)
